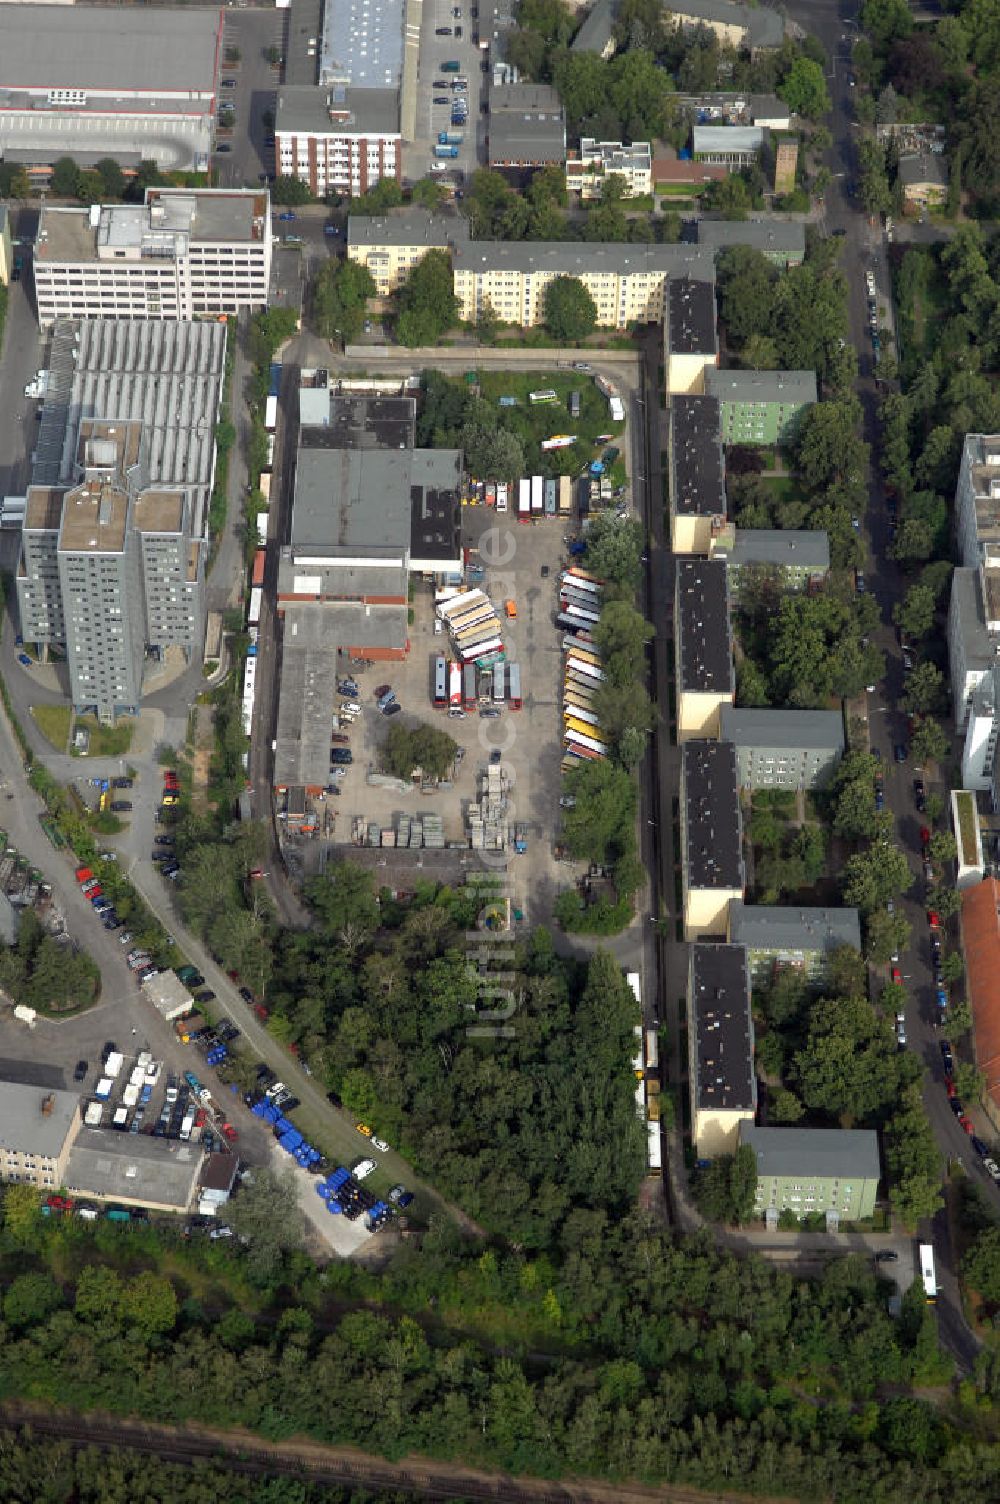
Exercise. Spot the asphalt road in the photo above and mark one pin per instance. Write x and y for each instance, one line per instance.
(864, 246)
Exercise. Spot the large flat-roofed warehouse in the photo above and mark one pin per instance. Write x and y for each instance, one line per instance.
(158, 1173)
(136, 84)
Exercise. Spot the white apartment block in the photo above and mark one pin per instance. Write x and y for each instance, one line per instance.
(391, 245)
(627, 282)
(182, 254)
(977, 501)
(587, 171)
(338, 140)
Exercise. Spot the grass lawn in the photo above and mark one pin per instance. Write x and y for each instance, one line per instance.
(532, 424)
(783, 487)
(53, 721)
(107, 741)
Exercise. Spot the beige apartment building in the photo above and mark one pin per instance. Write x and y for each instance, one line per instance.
(37, 1131)
(391, 245)
(627, 282)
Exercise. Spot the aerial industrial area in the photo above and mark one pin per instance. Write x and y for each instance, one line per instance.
(499, 514)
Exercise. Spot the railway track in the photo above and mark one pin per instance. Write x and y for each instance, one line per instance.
(249, 1455)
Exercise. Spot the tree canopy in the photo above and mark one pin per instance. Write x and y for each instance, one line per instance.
(569, 311)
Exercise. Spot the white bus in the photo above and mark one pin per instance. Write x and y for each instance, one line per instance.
(927, 1273)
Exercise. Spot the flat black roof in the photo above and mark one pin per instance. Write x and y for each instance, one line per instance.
(362, 422)
(713, 846)
(697, 483)
(704, 637)
(435, 506)
(719, 1015)
(690, 317)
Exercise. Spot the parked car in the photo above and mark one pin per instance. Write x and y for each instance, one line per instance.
(205, 996)
(121, 806)
(364, 1130)
(363, 1169)
(81, 1070)
(246, 995)
(381, 1145)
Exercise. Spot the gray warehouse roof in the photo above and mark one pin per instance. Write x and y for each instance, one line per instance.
(362, 43)
(713, 827)
(359, 421)
(761, 386)
(307, 694)
(304, 109)
(133, 1167)
(764, 927)
(704, 637)
(573, 257)
(719, 1016)
(526, 124)
(796, 729)
(769, 235)
(147, 50)
(791, 548)
(841, 1153)
(690, 322)
(34, 1120)
(697, 487)
(380, 501)
(412, 226)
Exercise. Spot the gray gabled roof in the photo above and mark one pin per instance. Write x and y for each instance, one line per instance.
(764, 28)
(791, 928)
(767, 235)
(784, 548)
(795, 729)
(572, 258)
(830, 1153)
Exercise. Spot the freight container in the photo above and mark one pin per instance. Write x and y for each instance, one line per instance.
(446, 151)
(550, 498)
(537, 495)
(524, 497)
(253, 614)
(514, 685)
(565, 495)
(652, 1051)
(113, 1064)
(130, 1095)
(93, 1115)
(455, 686)
(259, 560)
(120, 1118)
(271, 414)
(469, 686)
(499, 677)
(103, 1088)
(481, 649)
(577, 738)
(582, 728)
(459, 602)
(262, 519)
(440, 683)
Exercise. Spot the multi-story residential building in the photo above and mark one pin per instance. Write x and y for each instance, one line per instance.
(588, 169)
(750, 28)
(690, 337)
(981, 946)
(784, 749)
(704, 646)
(391, 245)
(778, 939)
(135, 85)
(627, 282)
(923, 176)
(37, 1129)
(527, 126)
(337, 139)
(181, 254)
(597, 34)
(712, 871)
(831, 1171)
(721, 1077)
(794, 559)
(973, 636)
(731, 146)
(128, 569)
(781, 241)
(696, 475)
(977, 502)
(982, 729)
(761, 407)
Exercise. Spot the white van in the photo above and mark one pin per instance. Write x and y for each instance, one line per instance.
(349, 707)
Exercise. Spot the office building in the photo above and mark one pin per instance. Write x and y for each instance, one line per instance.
(160, 1174)
(923, 176)
(588, 169)
(721, 1079)
(37, 1129)
(695, 475)
(391, 245)
(791, 937)
(627, 282)
(690, 337)
(784, 749)
(712, 871)
(703, 646)
(527, 126)
(781, 241)
(748, 28)
(136, 84)
(730, 146)
(761, 407)
(338, 139)
(182, 254)
(807, 1171)
(791, 559)
(786, 162)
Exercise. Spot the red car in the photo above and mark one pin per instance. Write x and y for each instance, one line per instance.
(229, 1132)
(83, 874)
(59, 1203)
(967, 1124)
(949, 1086)
(896, 976)
(933, 920)
(925, 836)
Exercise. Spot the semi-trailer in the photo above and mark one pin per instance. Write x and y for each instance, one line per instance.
(514, 685)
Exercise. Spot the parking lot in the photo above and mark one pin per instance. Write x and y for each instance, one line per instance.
(529, 740)
(249, 85)
(432, 84)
